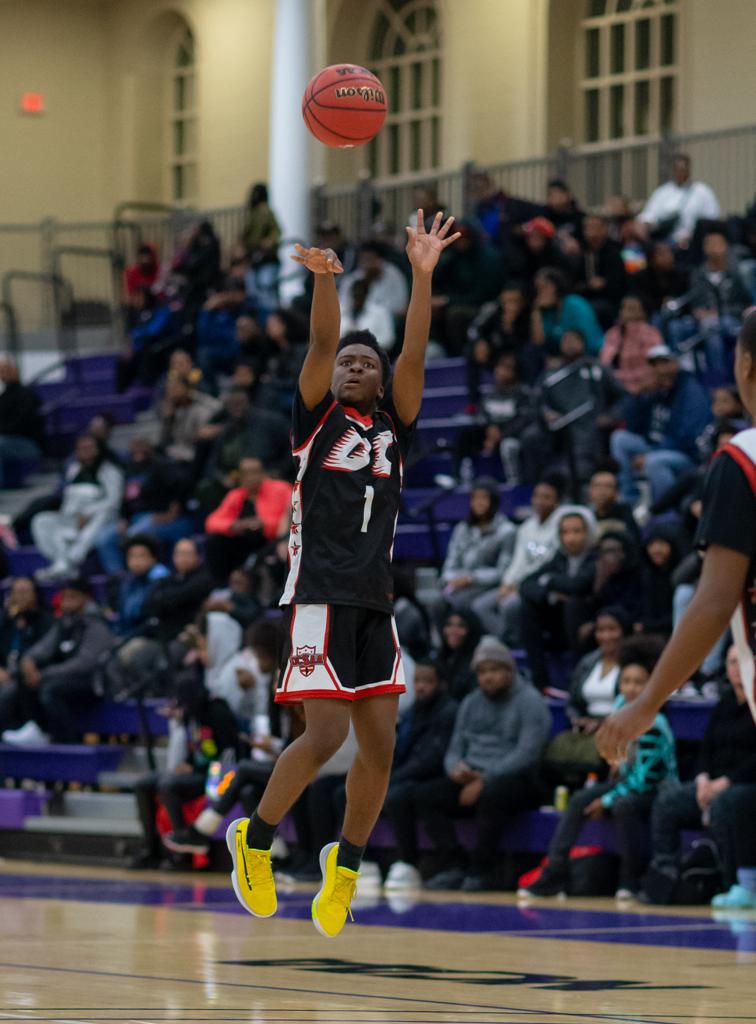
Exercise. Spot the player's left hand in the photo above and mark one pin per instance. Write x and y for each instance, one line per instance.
(424, 248)
(621, 728)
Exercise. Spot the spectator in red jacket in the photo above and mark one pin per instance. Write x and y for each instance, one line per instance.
(144, 273)
(251, 515)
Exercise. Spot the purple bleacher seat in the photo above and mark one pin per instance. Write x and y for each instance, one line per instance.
(101, 368)
(18, 804)
(430, 432)
(414, 541)
(24, 561)
(17, 470)
(455, 505)
(75, 414)
(444, 373)
(111, 718)
(63, 762)
(439, 402)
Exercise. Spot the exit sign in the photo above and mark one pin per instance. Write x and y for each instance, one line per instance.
(32, 103)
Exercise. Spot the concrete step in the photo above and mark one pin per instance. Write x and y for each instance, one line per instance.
(83, 826)
(99, 805)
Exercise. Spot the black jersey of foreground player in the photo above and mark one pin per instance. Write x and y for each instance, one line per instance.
(345, 503)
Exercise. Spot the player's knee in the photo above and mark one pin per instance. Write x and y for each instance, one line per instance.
(325, 739)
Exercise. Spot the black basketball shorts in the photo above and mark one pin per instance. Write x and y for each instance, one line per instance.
(339, 651)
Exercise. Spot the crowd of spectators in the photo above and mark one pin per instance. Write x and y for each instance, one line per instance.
(598, 349)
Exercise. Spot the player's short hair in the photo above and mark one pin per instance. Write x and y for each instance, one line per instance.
(368, 339)
(747, 336)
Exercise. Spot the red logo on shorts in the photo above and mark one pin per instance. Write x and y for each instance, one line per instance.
(305, 659)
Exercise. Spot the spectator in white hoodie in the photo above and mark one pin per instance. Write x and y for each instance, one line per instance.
(535, 543)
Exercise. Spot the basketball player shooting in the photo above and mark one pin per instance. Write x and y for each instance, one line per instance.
(726, 592)
(352, 426)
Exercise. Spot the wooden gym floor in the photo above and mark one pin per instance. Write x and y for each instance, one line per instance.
(81, 945)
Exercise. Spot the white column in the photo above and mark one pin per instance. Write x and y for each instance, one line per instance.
(289, 170)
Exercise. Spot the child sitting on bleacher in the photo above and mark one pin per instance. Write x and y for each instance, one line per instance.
(627, 796)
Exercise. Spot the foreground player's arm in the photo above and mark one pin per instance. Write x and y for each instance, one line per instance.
(423, 251)
(325, 323)
(722, 581)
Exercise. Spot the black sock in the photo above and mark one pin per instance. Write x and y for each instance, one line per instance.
(260, 833)
(349, 856)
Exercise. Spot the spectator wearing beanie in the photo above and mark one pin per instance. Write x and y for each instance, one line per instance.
(491, 768)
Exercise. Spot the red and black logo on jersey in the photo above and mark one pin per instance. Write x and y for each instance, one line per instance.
(305, 659)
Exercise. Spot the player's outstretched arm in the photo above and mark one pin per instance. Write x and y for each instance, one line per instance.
(325, 323)
(722, 580)
(424, 249)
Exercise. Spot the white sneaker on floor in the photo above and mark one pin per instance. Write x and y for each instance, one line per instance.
(623, 895)
(403, 876)
(370, 875)
(29, 735)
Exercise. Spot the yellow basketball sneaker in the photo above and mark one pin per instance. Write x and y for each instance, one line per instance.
(333, 902)
(252, 877)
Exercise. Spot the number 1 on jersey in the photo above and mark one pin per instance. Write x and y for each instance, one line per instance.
(369, 495)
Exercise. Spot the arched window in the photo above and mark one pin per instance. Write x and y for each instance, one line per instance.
(182, 127)
(629, 68)
(405, 53)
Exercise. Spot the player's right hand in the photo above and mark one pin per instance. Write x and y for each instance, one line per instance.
(620, 729)
(319, 261)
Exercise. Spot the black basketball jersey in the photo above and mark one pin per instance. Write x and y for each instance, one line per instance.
(728, 519)
(345, 504)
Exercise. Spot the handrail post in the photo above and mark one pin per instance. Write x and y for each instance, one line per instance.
(364, 211)
(469, 168)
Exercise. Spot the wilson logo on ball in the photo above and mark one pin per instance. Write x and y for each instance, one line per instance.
(344, 105)
(364, 92)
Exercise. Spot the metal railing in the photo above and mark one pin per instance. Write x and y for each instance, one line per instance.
(89, 256)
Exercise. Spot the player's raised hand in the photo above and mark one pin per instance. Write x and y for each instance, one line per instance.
(319, 261)
(424, 248)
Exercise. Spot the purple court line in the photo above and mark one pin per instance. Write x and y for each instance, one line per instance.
(620, 1018)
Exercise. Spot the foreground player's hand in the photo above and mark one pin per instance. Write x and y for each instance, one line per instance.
(424, 248)
(621, 728)
(319, 261)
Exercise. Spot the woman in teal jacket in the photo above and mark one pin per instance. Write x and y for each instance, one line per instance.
(555, 311)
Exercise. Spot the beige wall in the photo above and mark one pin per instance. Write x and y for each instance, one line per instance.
(718, 65)
(54, 161)
(233, 40)
(101, 65)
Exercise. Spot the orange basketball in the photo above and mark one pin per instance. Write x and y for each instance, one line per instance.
(344, 105)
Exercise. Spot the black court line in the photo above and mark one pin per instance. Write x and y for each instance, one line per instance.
(621, 1018)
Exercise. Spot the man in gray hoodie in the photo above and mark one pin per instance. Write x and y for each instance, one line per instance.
(491, 768)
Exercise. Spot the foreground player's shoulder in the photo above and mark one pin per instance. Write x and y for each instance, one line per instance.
(741, 450)
(728, 516)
